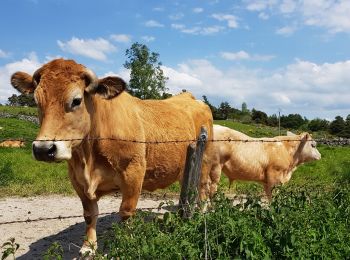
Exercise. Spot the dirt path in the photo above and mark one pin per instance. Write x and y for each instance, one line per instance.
(35, 237)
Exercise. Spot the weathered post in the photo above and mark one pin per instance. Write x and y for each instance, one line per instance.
(190, 183)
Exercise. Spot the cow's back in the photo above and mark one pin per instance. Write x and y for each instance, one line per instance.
(175, 119)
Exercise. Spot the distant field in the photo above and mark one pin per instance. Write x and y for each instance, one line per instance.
(23, 176)
(31, 111)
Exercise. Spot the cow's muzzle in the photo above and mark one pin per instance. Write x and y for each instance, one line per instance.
(44, 151)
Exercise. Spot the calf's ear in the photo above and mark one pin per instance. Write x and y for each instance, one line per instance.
(23, 82)
(108, 87)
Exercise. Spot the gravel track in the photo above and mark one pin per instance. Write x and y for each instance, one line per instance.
(35, 237)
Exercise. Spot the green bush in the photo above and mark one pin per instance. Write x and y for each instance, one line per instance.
(297, 224)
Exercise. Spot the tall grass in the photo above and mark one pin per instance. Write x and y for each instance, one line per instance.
(298, 224)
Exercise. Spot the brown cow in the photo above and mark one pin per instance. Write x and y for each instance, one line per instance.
(12, 143)
(74, 104)
(270, 163)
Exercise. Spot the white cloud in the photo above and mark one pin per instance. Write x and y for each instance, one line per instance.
(242, 55)
(29, 64)
(179, 80)
(4, 54)
(197, 30)
(153, 23)
(198, 10)
(124, 38)
(231, 19)
(95, 49)
(259, 5)
(332, 15)
(158, 9)
(147, 38)
(288, 6)
(263, 16)
(302, 87)
(122, 73)
(286, 30)
(177, 16)
(178, 26)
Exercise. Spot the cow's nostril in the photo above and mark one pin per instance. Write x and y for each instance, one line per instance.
(52, 151)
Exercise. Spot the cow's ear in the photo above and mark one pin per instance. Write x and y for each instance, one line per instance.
(305, 136)
(110, 87)
(23, 82)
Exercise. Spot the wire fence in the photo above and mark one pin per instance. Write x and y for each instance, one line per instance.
(325, 141)
(328, 142)
(28, 220)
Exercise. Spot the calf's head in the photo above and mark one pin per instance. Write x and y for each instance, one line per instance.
(307, 150)
(63, 91)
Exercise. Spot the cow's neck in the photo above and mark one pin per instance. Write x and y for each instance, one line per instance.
(295, 150)
(109, 118)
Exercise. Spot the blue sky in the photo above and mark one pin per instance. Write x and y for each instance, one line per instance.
(272, 54)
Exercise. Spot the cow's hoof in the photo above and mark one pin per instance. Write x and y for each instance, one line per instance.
(87, 252)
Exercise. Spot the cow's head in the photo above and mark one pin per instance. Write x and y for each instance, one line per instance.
(62, 90)
(307, 150)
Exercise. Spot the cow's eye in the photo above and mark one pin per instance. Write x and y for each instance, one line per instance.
(313, 145)
(76, 102)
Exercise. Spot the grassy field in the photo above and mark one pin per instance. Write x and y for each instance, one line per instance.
(307, 219)
(20, 174)
(23, 176)
(30, 111)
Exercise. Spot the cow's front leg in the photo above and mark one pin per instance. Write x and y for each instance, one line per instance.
(131, 185)
(90, 216)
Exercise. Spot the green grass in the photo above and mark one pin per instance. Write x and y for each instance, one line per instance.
(299, 224)
(13, 128)
(252, 130)
(21, 175)
(31, 111)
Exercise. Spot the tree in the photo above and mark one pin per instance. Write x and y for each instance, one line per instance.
(212, 108)
(293, 121)
(147, 80)
(259, 117)
(245, 108)
(21, 100)
(318, 124)
(272, 120)
(337, 125)
(224, 110)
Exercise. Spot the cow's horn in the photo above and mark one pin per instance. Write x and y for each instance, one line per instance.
(91, 81)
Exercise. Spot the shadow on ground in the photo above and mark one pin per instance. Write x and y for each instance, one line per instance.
(71, 239)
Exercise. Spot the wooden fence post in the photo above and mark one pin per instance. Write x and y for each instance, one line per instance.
(190, 183)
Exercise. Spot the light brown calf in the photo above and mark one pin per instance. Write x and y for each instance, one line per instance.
(12, 143)
(270, 163)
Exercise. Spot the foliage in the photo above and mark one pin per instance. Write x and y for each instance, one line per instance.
(318, 124)
(22, 100)
(259, 117)
(292, 121)
(297, 224)
(147, 80)
(54, 252)
(340, 127)
(9, 248)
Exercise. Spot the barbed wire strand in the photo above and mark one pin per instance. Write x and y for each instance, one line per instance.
(28, 220)
(255, 140)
